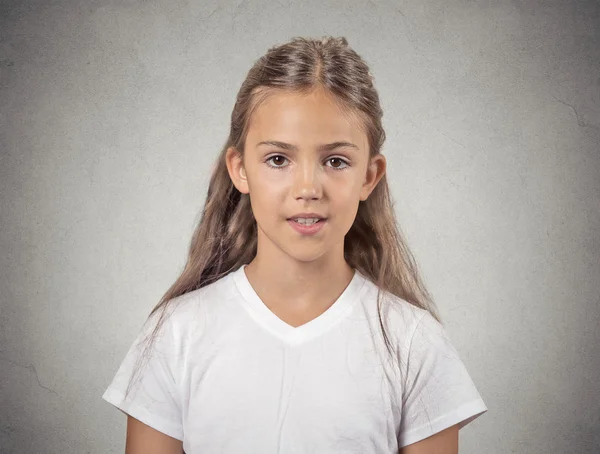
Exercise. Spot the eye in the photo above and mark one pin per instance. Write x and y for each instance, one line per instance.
(343, 161)
(273, 157)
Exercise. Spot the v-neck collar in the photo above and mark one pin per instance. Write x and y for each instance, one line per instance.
(288, 333)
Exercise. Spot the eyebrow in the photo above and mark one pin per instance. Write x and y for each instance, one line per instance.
(324, 147)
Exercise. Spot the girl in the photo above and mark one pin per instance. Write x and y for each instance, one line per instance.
(299, 324)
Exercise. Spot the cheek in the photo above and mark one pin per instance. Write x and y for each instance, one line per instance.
(269, 189)
(267, 197)
(345, 206)
(266, 180)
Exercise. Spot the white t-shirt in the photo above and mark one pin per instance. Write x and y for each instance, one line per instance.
(226, 375)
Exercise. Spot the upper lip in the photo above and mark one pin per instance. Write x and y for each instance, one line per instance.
(307, 215)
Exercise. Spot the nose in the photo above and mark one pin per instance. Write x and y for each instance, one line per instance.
(307, 180)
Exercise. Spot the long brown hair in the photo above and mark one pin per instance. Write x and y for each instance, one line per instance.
(226, 235)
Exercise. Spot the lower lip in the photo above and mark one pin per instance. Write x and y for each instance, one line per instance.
(307, 229)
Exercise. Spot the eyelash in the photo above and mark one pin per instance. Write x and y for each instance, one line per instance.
(328, 159)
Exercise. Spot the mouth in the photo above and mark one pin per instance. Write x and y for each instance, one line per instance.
(320, 220)
(307, 229)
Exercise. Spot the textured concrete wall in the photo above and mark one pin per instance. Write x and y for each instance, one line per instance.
(111, 114)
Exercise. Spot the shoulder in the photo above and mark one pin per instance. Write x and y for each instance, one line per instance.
(401, 318)
(193, 311)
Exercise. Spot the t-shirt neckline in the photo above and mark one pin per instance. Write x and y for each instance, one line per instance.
(288, 333)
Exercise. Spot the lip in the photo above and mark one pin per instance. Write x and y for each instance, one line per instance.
(307, 215)
(307, 229)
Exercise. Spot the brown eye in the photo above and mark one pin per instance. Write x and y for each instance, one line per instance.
(276, 165)
(337, 167)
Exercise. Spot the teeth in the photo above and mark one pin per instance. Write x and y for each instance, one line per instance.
(306, 221)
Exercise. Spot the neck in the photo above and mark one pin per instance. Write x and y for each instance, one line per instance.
(298, 285)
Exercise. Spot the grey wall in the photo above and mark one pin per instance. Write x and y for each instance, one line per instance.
(111, 114)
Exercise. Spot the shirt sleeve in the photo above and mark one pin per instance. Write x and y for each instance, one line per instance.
(153, 373)
(438, 391)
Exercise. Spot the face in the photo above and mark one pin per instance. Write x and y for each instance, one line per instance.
(304, 173)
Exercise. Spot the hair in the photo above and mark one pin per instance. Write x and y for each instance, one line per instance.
(226, 235)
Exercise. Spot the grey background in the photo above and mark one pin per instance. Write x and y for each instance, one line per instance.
(112, 113)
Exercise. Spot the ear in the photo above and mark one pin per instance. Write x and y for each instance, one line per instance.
(235, 167)
(375, 171)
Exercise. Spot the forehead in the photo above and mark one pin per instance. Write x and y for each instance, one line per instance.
(304, 119)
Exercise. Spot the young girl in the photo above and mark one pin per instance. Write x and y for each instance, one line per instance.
(299, 324)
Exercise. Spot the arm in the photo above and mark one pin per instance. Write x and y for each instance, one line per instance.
(143, 439)
(444, 442)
